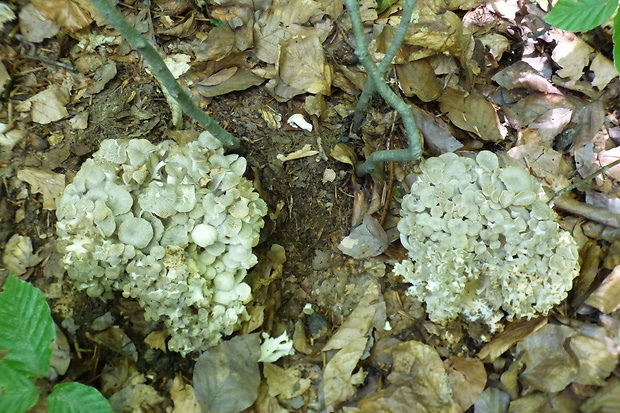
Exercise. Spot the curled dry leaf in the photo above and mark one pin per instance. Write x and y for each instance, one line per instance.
(226, 377)
(65, 13)
(344, 153)
(522, 75)
(606, 298)
(366, 240)
(302, 153)
(49, 184)
(183, 396)
(472, 113)
(550, 367)
(468, 378)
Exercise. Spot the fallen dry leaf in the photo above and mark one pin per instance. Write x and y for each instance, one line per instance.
(358, 324)
(302, 153)
(49, 184)
(473, 113)
(337, 386)
(468, 379)
(34, 26)
(287, 383)
(514, 332)
(521, 74)
(183, 397)
(606, 400)
(65, 13)
(606, 298)
(549, 367)
(366, 240)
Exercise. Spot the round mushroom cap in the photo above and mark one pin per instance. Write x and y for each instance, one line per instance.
(135, 231)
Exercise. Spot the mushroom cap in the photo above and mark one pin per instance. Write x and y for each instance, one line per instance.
(135, 231)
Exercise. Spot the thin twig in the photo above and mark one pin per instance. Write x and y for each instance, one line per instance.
(162, 73)
(586, 179)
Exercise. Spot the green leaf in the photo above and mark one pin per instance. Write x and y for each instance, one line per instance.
(616, 38)
(580, 15)
(26, 328)
(17, 392)
(383, 5)
(77, 398)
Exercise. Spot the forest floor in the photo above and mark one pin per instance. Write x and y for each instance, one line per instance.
(490, 76)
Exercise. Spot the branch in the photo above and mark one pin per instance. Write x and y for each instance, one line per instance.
(369, 88)
(414, 139)
(162, 73)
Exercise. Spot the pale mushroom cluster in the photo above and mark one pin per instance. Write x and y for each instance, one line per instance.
(482, 242)
(171, 225)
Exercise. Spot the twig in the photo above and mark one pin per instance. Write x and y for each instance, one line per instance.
(591, 212)
(162, 73)
(586, 179)
(414, 151)
(369, 88)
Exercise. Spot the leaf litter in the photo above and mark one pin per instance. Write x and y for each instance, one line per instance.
(545, 97)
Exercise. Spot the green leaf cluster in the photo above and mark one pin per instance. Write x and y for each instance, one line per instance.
(26, 331)
(583, 15)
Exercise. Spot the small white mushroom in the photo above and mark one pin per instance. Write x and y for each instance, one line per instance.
(204, 235)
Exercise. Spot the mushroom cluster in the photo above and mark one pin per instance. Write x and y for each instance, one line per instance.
(170, 225)
(482, 242)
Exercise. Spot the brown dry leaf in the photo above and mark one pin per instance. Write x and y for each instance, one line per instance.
(241, 80)
(472, 113)
(34, 26)
(47, 106)
(183, 397)
(302, 65)
(283, 20)
(61, 352)
(184, 28)
(549, 367)
(493, 400)
(121, 372)
(337, 386)
(301, 153)
(219, 44)
(551, 123)
(418, 369)
(468, 379)
(564, 402)
(135, 398)
(606, 298)
(545, 163)
(604, 71)
(586, 122)
(344, 153)
(226, 376)
(437, 136)
(115, 339)
(529, 108)
(49, 184)
(4, 78)
(514, 332)
(157, 340)
(433, 32)
(65, 13)
(606, 400)
(597, 355)
(418, 78)
(366, 240)
(286, 383)
(103, 75)
(572, 54)
(357, 325)
(521, 74)
(607, 157)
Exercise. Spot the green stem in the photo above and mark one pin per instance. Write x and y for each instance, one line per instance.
(162, 73)
(369, 88)
(414, 138)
